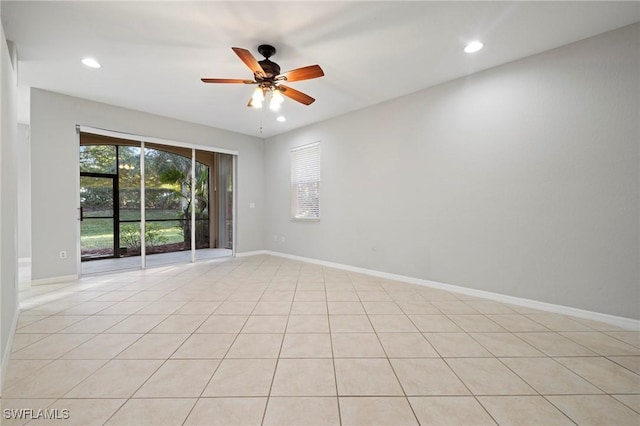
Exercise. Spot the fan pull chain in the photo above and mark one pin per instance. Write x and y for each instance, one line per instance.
(261, 118)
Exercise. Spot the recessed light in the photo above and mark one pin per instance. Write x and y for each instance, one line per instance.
(91, 62)
(474, 46)
(281, 118)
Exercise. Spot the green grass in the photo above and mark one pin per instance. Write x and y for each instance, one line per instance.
(98, 233)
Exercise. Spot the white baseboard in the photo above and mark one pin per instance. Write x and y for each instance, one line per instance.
(7, 351)
(626, 323)
(55, 280)
(252, 253)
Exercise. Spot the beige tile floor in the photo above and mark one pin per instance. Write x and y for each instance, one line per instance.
(264, 340)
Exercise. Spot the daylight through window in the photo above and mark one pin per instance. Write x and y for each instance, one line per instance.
(305, 182)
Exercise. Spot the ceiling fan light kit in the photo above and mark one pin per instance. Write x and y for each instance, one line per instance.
(267, 77)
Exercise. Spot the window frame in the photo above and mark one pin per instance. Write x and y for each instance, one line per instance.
(313, 158)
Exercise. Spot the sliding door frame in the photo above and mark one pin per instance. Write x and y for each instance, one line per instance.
(166, 142)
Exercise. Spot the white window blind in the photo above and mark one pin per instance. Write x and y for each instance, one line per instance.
(305, 182)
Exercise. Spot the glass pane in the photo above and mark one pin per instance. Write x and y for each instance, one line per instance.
(225, 201)
(96, 228)
(167, 202)
(98, 159)
(217, 217)
(203, 227)
(129, 183)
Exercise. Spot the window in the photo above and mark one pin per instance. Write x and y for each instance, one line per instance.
(305, 182)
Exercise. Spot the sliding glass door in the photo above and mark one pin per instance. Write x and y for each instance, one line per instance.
(150, 204)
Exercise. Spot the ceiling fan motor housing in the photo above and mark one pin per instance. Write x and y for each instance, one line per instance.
(270, 68)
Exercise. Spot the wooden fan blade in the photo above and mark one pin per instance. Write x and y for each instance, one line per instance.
(226, 80)
(304, 73)
(249, 60)
(296, 95)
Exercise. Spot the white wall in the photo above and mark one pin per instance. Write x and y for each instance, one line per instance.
(24, 192)
(55, 170)
(521, 180)
(8, 196)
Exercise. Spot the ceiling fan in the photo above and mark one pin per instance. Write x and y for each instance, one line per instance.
(266, 74)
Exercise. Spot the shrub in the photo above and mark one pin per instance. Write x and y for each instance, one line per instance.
(130, 236)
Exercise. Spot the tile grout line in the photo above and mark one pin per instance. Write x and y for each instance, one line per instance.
(333, 356)
(284, 334)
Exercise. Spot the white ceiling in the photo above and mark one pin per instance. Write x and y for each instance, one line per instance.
(153, 54)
